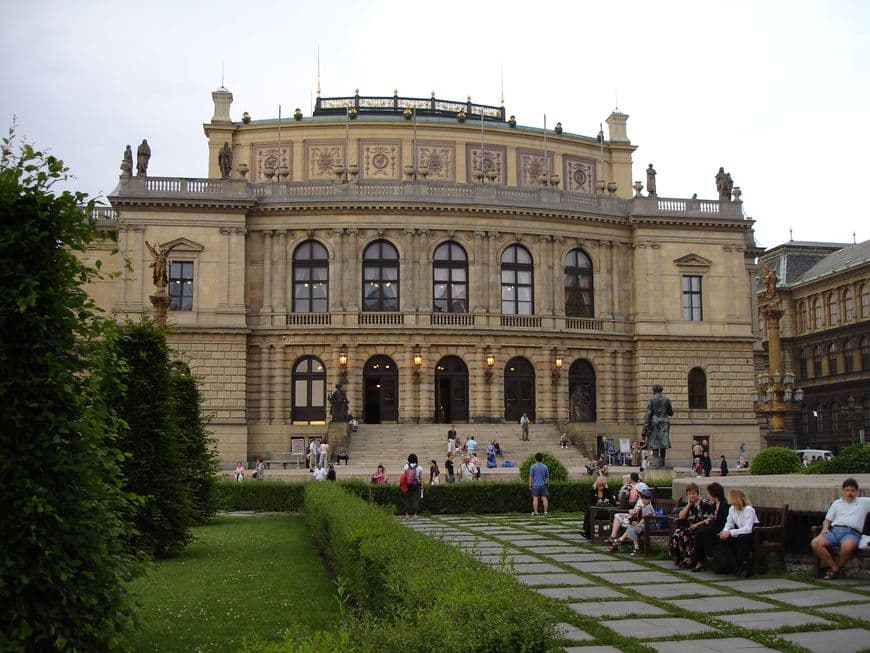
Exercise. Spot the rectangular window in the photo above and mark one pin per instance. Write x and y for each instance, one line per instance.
(692, 298)
(181, 285)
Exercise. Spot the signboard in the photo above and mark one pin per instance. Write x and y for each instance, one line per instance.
(297, 446)
(625, 445)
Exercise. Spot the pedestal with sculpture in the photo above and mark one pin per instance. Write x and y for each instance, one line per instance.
(657, 426)
(339, 427)
(160, 299)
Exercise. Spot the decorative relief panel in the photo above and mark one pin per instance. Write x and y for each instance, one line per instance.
(494, 158)
(579, 174)
(266, 154)
(380, 159)
(320, 157)
(531, 165)
(440, 157)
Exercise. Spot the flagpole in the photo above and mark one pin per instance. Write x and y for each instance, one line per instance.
(546, 160)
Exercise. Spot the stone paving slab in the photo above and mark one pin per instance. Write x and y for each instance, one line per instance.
(575, 556)
(591, 649)
(617, 609)
(599, 566)
(849, 640)
(672, 590)
(656, 628)
(772, 620)
(573, 537)
(853, 610)
(764, 585)
(716, 604)
(562, 578)
(493, 559)
(535, 568)
(725, 645)
(572, 633)
(706, 575)
(526, 544)
(554, 547)
(812, 598)
(636, 578)
(574, 593)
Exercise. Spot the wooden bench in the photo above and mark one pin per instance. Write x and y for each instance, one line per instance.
(860, 554)
(601, 528)
(770, 534)
(284, 460)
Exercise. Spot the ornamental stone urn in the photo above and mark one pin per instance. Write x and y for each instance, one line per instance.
(243, 169)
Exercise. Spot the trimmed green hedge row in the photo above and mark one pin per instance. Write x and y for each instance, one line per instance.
(479, 497)
(412, 587)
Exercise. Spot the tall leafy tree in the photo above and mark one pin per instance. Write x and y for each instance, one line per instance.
(63, 563)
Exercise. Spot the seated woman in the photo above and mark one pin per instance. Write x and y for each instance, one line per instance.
(490, 455)
(682, 543)
(380, 476)
(342, 454)
(708, 528)
(498, 451)
(738, 531)
(563, 440)
(600, 499)
(636, 523)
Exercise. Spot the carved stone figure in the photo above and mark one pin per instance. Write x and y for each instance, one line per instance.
(770, 280)
(338, 404)
(722, 185)
(159, 264)
(657, 425)
(127, 162)
(581, 404)
(729, 186)
(651, 180)
(143, 156)
(225, 160)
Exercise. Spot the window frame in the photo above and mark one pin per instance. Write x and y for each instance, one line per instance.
(184, 282)
(579, 274)
(380, 264)
(451, 265)
(692, 309)
(515, 268)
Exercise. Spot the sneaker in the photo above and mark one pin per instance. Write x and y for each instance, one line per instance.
(636, 552)
(534, 514)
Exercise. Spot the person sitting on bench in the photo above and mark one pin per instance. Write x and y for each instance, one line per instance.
(842, 528)
(342, 455)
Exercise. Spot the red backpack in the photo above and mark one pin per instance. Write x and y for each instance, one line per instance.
(409, 479)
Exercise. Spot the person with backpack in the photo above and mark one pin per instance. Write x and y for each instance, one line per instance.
(411, 486)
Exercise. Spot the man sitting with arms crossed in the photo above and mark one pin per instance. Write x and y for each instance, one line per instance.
(842, 527)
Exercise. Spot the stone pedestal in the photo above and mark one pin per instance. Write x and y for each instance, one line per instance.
(161, 308)
(339, 436)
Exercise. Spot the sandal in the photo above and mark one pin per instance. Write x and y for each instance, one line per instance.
(831, 575)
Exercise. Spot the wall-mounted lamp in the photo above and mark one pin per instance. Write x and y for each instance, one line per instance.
(342, 363)
(418, 363)
(490, 364)
(558, 362)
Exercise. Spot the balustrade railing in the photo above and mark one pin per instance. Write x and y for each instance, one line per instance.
(309, 319)
(527, 321)
(451, 319)
(583, 324)
(381, 319)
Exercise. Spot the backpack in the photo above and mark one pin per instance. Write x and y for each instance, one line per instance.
(409, 479)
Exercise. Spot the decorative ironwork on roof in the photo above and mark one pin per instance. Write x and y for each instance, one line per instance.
(395, 105)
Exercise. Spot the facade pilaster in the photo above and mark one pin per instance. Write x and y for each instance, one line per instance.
(409, 296)
(641, 280)
(237, 269)
(617, 309)
(267, 277)
(224, 269)
(478, 282)
(139, 265)
(352, 269)
(280, 384)
(279, 279)
(265, 407)
(424, 290)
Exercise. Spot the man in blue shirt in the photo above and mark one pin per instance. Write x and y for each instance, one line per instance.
(539, 475)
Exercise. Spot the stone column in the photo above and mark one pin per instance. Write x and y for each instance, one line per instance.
(237, 269)
(409, 300)
(618, 310)
(421, 266)
(605, 280)
(280, 385)
(493, 274)
(613, 365)
(224, 269)
(352, 269)
(279, 279)
(265, 408)
(266, 309)
(641, 281)
(478, 282)
(556, 277)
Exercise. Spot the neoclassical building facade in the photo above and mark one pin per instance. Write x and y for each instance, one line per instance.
(825, 294)
(443, 264)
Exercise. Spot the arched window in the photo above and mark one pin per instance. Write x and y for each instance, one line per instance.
(833, 309)
(579, 300)
(450, 279)
(848, 356)
(697, 389)
(380, 277)
(848, 306)
(865, 353)
(310, 278)
(832, 358)
(517, 281)
(835, 417)
(309, 390)
(817, 313)
(864, 299)
(805, 418)
(820, 417)
(800, 317)
(804, 367)
(817, 361)
(581, 388)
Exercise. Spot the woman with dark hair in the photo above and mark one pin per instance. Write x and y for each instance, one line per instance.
(710, 526)
(690, 518)
(411, 486)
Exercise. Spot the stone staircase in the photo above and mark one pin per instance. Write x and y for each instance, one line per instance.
(390, 444)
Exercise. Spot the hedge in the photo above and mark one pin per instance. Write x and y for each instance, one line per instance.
(481, 497)
(854, 459)
(410, 586)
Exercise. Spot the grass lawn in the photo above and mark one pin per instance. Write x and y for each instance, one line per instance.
(243, 578)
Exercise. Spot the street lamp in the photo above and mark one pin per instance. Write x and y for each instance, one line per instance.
(852, 411)
(342, 363)
(418, 363)
(490, 364)
(558, 362)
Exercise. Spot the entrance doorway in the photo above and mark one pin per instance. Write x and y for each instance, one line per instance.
(380, 390)
(519, 389)
(451, 390)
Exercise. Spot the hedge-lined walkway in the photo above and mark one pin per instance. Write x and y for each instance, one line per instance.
(611, 602)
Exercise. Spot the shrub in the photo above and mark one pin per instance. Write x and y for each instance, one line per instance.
(558, 472)
(409, 585)
(775, 460)
(854, 459)
(63, 564)
(262, 496)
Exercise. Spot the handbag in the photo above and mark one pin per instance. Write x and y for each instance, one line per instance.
(724, 558)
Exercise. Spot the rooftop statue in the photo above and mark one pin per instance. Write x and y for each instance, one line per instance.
(651, 180)
(127, 162)
(143, 156)
(225, 160)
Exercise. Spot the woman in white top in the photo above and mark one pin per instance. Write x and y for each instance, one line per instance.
(738, 530)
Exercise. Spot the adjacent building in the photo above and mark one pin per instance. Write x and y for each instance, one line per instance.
(442, 263)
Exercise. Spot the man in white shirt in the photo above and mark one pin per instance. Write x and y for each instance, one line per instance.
(842, 527)
(319, 473)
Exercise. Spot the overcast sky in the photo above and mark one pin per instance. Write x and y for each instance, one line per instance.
(776, 92)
